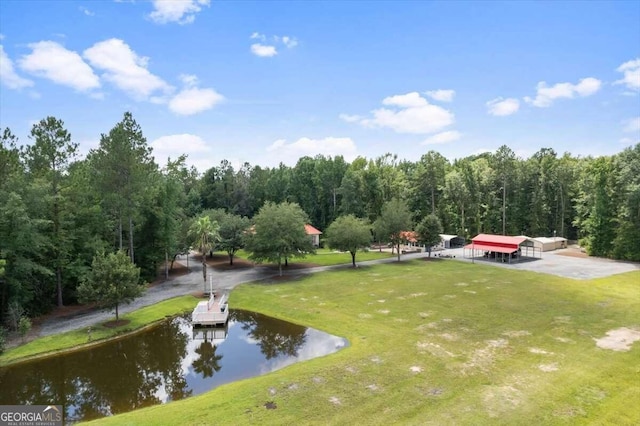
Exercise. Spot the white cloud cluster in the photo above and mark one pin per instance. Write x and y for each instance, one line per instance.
(263, 50)
(441, 95)
(631, 72)
(54, 62)
(265, 47)
(443, 137)
(546, 95)
(125, 69)
(289, 153)
(180, 11)
(501, 107)
(408, 113)
(120, 65)
(8, 75)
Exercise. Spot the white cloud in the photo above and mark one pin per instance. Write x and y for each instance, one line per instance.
(86, 11)
(546, 95)
(502, 107)
(289, 153)
(193, 100)
(268, 50)
(632, 125)
(199, 153)
(180, 11)
(8, 75)
(350, 118)
(189, 80)
(410, 100)
(125, 69)
(443, 137)
(412, 113)
(290, 42)
(441, 95)
(263, 50)
(631, 71)
(52, 61)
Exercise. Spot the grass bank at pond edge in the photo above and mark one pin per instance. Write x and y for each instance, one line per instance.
(79, 338)
(439, 341)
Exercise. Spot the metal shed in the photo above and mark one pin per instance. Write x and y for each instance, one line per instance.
(452, 241)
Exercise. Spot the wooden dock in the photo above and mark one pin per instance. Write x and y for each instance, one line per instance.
(213, 312)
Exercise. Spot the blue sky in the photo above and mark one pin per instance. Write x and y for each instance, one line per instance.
(266, 82)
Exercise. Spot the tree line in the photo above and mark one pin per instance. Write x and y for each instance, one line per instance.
(59, 211)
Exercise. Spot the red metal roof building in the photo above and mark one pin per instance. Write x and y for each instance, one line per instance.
(506, 246)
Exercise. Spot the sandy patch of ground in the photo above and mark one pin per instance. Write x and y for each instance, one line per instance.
(424, 314)
(470, 291)
(619, 339)
(384, 311)
(564, 340)
(335, 400)
(364, 316)
(516, 333)
(483, 358)
(415, 369)
(417, 294)
(500, 399)
(434, 349)
(539, 351)
(376, 360)
(461, 284)
(547, 368)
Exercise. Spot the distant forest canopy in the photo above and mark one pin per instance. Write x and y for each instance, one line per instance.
(57, 210)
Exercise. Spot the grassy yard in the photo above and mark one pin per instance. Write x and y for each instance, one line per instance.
(326, 257)
(437, 342)
(80, 337)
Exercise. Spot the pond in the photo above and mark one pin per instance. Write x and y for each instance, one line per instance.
(168, 362)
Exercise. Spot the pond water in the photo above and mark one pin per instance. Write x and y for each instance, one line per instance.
(168, 362)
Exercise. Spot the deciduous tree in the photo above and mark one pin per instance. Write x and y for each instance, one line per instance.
(279, 234)
(349, 233)
(112, 281)
(394, 220)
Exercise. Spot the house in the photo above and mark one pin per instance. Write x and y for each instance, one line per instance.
(314, 234)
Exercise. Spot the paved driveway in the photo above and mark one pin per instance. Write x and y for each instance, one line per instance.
(553, 262)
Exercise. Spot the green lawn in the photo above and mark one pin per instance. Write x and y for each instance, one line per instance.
(138, 319)
(438, 342)
(326, 257)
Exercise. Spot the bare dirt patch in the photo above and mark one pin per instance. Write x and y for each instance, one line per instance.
(516, 333)
(118, 323)
(501, 399)
(573, 252)
(548, 368)
(335, 400)
(619, 340)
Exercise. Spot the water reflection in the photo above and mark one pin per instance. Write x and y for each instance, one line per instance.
(168, 362)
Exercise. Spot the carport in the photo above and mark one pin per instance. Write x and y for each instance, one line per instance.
(501, 247)
(451, 241)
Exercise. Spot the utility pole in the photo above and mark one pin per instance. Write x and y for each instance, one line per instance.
(504, 208)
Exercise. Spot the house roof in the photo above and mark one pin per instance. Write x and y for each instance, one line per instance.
(498, 239)
(409, 236)
(310, 230)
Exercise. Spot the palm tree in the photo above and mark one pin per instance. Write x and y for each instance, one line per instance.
(205, 233)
